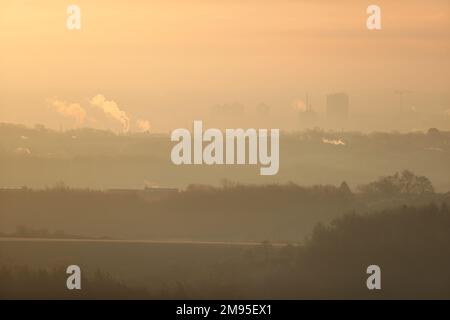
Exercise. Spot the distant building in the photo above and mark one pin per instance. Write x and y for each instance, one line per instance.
(337, 109)
(227, 115)
(308, 117)
(159, 192)
(228, 110)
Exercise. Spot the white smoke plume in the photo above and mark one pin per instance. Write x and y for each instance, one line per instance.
(112, 109)
(299, 105)
(334, 142)
(70, 110)
(143, 125)
(22, 151)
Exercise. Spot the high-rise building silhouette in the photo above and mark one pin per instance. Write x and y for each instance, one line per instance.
(308, 117)
(337, 109)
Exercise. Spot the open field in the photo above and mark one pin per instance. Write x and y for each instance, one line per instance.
(137, 263)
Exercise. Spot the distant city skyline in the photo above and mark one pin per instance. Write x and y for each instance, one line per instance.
(167, 63)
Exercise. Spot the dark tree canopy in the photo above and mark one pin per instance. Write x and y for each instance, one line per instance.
(405, 182)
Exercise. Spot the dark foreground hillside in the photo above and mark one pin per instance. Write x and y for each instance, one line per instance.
(233, 212)
(410, 244)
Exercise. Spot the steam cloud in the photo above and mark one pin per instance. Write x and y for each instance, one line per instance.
(70, 110)
(22, 151)
(112, 109)
(334, 142)
(143, 125)
(299, 105)
(109, 107)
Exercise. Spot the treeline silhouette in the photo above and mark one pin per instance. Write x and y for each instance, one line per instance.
(410, 244)
(22, 282)
(234, 212)
(405, 182)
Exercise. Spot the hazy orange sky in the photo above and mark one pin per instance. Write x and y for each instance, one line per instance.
(168, 61)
